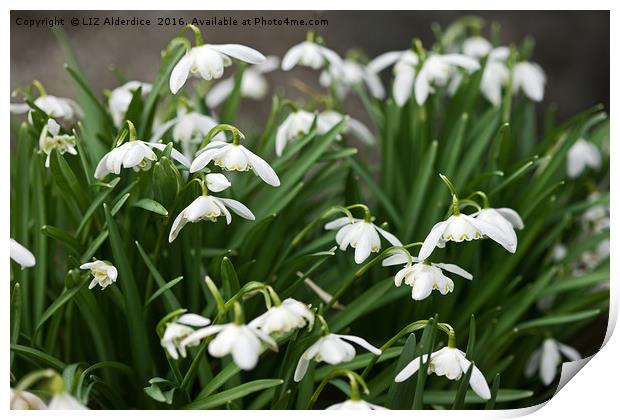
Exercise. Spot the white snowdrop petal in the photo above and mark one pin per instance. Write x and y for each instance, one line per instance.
(21, 255)
(180, 73)
(361, 342)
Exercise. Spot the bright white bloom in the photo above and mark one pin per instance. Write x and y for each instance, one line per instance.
(331, 349)
(121, 97)
(424, 277)
(496, 73)
(546, 359)
(326, 120)
(209, 60)
(310, 54)
(104, 274)
(591, 259)
(241, 341)
(559, 252)
(217, 182)
(451, 363)
(234, 157)
(461, 227)
(507, 220)
(283, 318)
(178, 330)
(296, 125)
(21, 255)
(529, 78)
(351, 74)
(55, 107)
(405, 64)
(24, 400)
(136, 154)
(51, 139)
(253, 84)
(355, 405)
(208, 207)
(580, 156)
(361, 235)
(65, 401)
(436, 71)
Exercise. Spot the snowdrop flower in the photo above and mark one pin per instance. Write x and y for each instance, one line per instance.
(580, 156)
(331, 349)
(495, 74)
(178, 330)
(209, 60)
(451, 363)
(461, 227)
(546, 359)
(120, 98)
(64, 109)
(559, 252)
(326, 120)
(282, 318)
(51, 139)
(104, 273)
(436, 71)
(65, 401)
(296, 125)
(351, 74)
(310, 54)
(241, 341)
(24, 400)
(529, 78)
(361, 234)
(234, 157)
(355, 405)
(507, 220)
(208, 207)
(591, 259)
(135, 154)
(253, 84)
(21, 255)
(424, 277)
(405, 64)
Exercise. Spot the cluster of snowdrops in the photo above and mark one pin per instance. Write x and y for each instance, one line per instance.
(206, 152)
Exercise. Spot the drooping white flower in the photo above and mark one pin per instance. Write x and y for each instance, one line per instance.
(405, 64)
(253, 84)
(361, 235)
(547, 359)
(451, 363)
(591, 259)
(581, 155)
(217, 182)
(461, 227)
(310, 54)
(234, 157)
(355, 405)
(178, 330)
(331, 349)
(55, 107)
(241, 341)
(135, 154)
(559, 252)
(507, 220)
(279, 319)
(104, 273)
(120, 99)
(437, 70)
(351, 74)
(208, 207)
(424, 277)
(529, 78)
(495, 74)
(296, 125)
(21, 255)
(51, 139)
(65, 401)
(326, 120)
(208, 61)
(24, 400)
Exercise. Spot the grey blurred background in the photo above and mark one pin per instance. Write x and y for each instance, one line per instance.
(571, 46)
